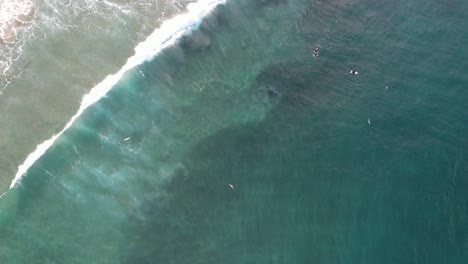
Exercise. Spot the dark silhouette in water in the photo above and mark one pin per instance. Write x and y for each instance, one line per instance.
(270, 92)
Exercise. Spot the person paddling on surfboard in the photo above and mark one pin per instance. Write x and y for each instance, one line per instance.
(270, 92)
(316, 51)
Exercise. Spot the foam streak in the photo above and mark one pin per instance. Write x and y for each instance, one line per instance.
(170, 31)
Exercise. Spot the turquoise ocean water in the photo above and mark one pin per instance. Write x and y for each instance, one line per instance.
(337, 168)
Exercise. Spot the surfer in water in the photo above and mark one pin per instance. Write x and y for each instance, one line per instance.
(316, 51)
(354, 72)
(270, 92)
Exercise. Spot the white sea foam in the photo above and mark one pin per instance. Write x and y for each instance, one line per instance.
(12, 12)
(34, 23)
(164, 36)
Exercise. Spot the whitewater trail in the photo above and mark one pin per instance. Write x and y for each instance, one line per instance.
(166, 35)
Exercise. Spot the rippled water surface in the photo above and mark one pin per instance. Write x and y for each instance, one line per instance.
(188, 158)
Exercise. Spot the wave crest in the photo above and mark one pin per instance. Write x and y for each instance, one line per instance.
(166, 35)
